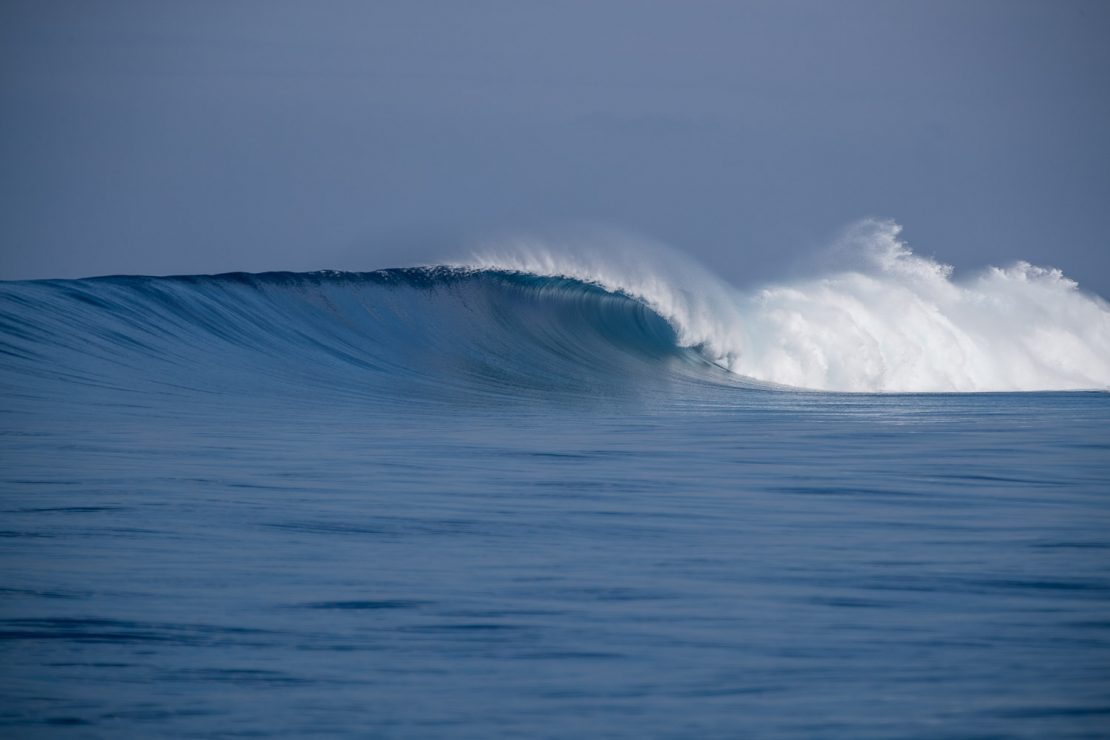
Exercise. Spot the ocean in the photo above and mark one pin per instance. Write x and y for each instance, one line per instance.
(526, 500)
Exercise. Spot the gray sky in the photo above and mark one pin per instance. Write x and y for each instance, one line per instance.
(169, 137)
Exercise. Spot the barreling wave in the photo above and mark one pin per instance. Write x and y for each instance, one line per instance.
(537, 321)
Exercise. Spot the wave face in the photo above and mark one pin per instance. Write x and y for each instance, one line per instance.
(882, 319)
(535, 321)
(419, 333)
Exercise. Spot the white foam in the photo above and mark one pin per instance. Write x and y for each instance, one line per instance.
(887, 320)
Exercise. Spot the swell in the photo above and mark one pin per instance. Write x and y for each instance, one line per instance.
(416, 333)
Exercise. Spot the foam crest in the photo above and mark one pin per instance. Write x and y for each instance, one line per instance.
(882, 320)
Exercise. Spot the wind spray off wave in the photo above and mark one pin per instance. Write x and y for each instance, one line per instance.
(887, 320)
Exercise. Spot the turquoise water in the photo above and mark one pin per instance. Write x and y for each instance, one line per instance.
(446, 504)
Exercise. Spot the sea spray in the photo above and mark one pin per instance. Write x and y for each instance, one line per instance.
(883, 319)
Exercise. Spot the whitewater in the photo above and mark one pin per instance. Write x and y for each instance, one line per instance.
(889, 321)
(557, 490)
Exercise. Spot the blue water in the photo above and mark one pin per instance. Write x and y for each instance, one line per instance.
(432, 503)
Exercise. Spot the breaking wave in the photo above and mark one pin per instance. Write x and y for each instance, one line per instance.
(533, 319)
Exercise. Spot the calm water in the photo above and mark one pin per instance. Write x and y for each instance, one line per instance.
(424, 506)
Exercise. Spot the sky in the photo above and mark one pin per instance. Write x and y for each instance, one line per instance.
(197, 137)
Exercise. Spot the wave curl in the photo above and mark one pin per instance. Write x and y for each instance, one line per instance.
(887, 320)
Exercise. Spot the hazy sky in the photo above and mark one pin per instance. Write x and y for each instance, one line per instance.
(169, 137)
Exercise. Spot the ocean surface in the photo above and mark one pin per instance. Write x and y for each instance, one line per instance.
(507, 503)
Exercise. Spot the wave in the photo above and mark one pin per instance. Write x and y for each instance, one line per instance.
(540, 321)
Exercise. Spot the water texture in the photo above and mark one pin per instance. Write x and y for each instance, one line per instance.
(456, 503)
